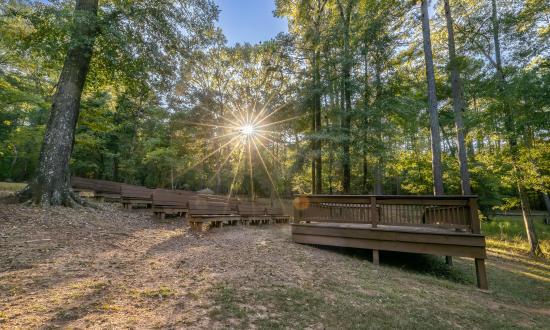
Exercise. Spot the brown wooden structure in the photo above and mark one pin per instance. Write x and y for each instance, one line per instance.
(83, 185)
(199, 209)
(438, 225)
(135, 196)
(277, 215)
(171, 202)
(253, 213)
(214, 213)
(107, 191)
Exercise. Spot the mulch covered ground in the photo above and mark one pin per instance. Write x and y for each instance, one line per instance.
(110, 268)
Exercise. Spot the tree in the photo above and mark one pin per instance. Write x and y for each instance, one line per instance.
(437, 172)
(51, 184)
(458, 103)
(345, 12)
(511, 131)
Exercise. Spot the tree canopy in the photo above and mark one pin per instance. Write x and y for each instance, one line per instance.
(344, 92)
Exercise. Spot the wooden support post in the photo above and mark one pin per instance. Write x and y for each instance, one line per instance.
(481, 274)
(375, 257)
(449, 260)
(373, 213)
(474, 216)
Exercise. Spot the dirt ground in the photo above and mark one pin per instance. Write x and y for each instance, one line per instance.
(110, 268)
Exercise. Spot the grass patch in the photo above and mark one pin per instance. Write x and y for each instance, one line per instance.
(229, 307)
(12, 186)
(160, 293)
(337, 306)
(508, 232)
(385, 298)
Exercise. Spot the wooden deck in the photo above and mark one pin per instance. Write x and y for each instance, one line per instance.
(445, 226)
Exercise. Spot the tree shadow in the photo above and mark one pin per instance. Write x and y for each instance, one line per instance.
(411, 262)
(79, 308)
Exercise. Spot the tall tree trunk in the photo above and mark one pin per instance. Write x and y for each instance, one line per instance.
(546, 199)
(51, 184)
(458, 104)
(379, 167)
(432, 102)
(366, 127)
(317, 109)
(345, 15)
(313, 148)
(512, 138)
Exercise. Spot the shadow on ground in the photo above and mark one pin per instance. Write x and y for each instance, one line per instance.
(412, 262)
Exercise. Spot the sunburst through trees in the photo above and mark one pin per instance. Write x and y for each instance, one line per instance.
(245, 137)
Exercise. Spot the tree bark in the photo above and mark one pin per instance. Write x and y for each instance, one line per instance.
(458, 104)
(379, 166)
(317, 110)
(546, 199)
(51, 184)
(366, 97)
(345, 15)
(432, 102)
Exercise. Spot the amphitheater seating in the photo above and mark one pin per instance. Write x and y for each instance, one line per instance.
(135, 196)
(171, 202)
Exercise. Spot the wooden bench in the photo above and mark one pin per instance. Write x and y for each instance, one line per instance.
(83, 186)
(107, 191)
(171, 202)
(135, 196)
(215, 214)
(277, 215)
(253, 213)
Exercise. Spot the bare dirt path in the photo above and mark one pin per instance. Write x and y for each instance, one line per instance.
(108, 268)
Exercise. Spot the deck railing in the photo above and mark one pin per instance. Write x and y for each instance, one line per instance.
(456, 212)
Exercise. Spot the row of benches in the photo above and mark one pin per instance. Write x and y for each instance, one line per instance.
(199, 209)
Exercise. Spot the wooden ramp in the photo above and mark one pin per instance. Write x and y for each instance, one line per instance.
(443, 225)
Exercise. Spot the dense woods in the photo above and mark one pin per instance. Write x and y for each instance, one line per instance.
(362, 96)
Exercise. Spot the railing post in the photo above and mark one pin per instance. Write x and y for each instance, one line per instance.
(373, 212)
(474, 216)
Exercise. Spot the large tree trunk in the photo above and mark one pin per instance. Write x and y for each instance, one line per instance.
(366, 127)
(458, 104)
(512, 138)
(546, 199)
(51, 184)
(432, 102)
(379, 166)
(317, 110)
(345, 15)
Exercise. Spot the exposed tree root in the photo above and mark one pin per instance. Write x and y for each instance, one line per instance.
(68, 199)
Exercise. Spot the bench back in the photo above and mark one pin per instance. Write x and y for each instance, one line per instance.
(274, 210)
(251, 208)
(109, 187)
(83, 183)
(201, 206)
(172, 198)
(128, 191)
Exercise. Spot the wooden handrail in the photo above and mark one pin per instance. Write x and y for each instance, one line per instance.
(458, 212)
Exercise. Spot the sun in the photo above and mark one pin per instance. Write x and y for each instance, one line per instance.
(248, 129)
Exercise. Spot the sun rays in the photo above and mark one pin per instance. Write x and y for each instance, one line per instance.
(243, 136)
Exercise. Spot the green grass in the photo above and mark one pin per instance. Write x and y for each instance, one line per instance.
(392, 299)
(408, 291)
(12, 186)
(508, 232)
